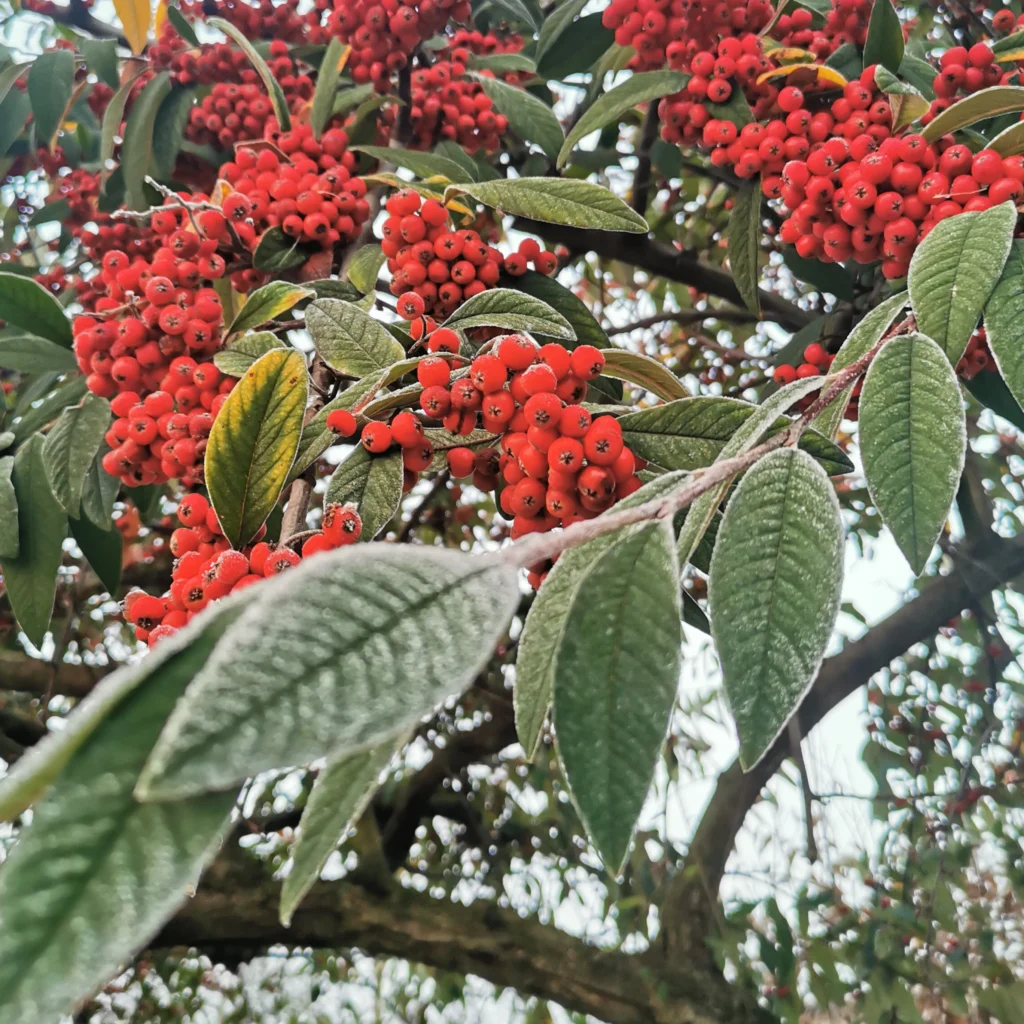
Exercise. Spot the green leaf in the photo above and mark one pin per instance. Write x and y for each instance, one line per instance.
(71, 446)
(979, 106)
(268, 302)
(101, 59)
(84, 886)
(906, 103)
(29, 354)
(254, 441)
(511, 311)
(348, 340)
(586, 329)
(341, 793)
(884, 42)
(110, 128)
(50, 81)
(861, 340)
(501, 63)
(34, 417)
(328, 288)
(560, 18)
(182, 25)
(1009, 142)
(373, 483)
(953, 272)
(692, 432)
(102, 549)
(28, 305)
(9, 75)
(615, 682)
(9, 543)
(578, 204)
(276, 251)
(518, 10)
(583, 44)
(912, 438)
(363, 269)
(60, 209)
(919, 73)
(236, 359)
(644, 371)
(14, 111)
(454, 151)
(99, 492)
(826, 277)
(326, 87)
(745, 242)
(638, 88)
(547, 620)
(423, 165)
(1004, 322)
(31, 577)
(137, 159)
(169, 131)
(774, 592)
(528, 117)
(270, 83)
(339, 653)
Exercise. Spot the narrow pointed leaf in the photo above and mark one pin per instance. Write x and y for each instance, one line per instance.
(29, 354)
(28, 305)
(70, 448)
(99, 492)
(913, 437)
(953, 272)
(511, 311)
(270, 83)
(547, 620)
(268, 302)
(774, 592)
(103, 551)
(340, 794)
(860, 341)
(341, 652)
(31, 577)
(182, 26)
(644, 371)
(556, 22)
(349, 340)
(639, 88)
(529, 117)
(9, 542)
(137, 159)
(615, 683)
(884, 43)
(579, 204)
(364, 268)
(253, 443)
(277, 251)
(326, 86)
(135, 16)
(50, 82)
(692, 432)
(9, 75)
(373, 483)
(423, 165)
(83, 887)
(979, 106)
(110, 127)
(745, 243)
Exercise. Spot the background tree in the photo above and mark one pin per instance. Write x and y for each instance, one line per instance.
(426, 383)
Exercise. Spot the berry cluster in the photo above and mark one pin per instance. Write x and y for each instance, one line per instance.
(530, 252)
(816, 362)
(303, 185)
(434, 269)
(963, 71)
(384, 33)
(207, 568)
(977, 358)
(229, 113)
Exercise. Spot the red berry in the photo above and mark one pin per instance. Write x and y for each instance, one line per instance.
(376, 437)
(342, 422)
(587, 362)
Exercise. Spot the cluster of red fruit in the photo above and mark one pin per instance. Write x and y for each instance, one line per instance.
(435, 269)
(865, 194)
(230, 113)
(384, 33)
(977, 357)
(963, 71)
(303, 185)
(207, 568)
(816, 362)
(661, 31)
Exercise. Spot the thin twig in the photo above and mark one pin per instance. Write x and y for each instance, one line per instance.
(642, 175)
(416, 517)
(685, 316)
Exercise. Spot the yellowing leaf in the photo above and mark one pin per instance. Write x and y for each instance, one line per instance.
(160, 18)
(135, 18)
(810, 72)
(254, 441)
(1009, 58)
(343, 59)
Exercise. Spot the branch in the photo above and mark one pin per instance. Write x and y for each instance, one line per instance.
(234, 916)
(77, 15)
(24, 674)
(685, 316)
(642, 175)
(690, 898)
(661, 260)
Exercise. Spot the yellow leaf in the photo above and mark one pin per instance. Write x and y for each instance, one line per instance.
(343, 59)
(1007, 58)
(811, 72)
(136, 16)
(220, 192)
(793, 53)
(159, 18)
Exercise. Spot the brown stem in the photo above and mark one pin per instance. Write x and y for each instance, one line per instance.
(642, 175)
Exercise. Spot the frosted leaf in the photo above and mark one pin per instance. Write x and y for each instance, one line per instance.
(774, 592)
(1004, 323)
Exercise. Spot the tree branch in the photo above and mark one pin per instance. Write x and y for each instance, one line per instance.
(24, 674)
(661, 260)
(234, 916)
(690, 898)
(642, 175)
